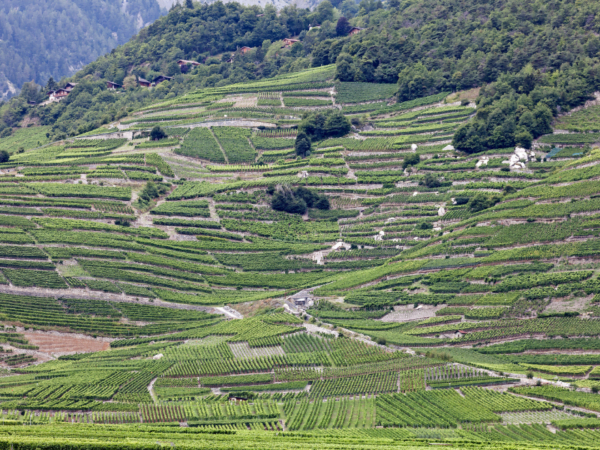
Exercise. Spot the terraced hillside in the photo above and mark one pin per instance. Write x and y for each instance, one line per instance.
(385, 288)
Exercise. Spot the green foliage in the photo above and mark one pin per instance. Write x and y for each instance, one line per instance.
(363, 92)
(302, 145)
(298, 200)
(150, 192)
(326, 124)
(157, 133)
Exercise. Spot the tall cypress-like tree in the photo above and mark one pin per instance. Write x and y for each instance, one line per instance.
(302, 145)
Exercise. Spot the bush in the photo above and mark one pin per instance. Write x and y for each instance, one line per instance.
(481, 202)
(285, 200)
(4, 156)
(412, 159)
(321, 125)
(151, 191)
(157, 133)
(298, 200)
(430, 181)
(508, 189)
(322, 203)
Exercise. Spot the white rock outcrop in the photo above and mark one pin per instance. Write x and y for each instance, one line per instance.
(482, 162)
(519, 159)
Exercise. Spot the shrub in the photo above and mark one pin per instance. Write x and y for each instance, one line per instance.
(481, 202)
(411, 159)
(4, 156)
(298, 200)
(321, 125)
(430, 181)
(151, 191)
(157, 133)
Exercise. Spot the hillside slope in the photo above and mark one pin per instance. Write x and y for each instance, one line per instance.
(385, 286)
(424, 47)
(292, 258)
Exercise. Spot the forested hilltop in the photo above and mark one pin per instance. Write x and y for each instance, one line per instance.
(40, 39)
(546, 49)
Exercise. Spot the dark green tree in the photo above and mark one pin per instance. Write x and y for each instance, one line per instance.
(343, 27)
(337, 125)
(411, 159)
(344, 69)
(157, 133)
(302, 145)
(482, 201)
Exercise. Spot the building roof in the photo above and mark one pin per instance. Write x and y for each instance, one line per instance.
(162, 78)
(187, 61)
(301, 294)
(113, 83)
(141, 80)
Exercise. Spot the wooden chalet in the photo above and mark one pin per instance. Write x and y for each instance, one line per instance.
(113, 86)
(245, 50)
(159, 79)
(355, 30)
(185, 62)
(144, 83)
(59, 94)
(287, 42)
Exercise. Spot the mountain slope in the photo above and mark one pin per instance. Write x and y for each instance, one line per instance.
(41, 39)
(426, 47)
(271, 250)
(382, 288)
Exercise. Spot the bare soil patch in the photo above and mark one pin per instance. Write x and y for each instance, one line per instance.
(65, 344)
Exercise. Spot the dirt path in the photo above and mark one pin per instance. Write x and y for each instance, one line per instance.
(220, 146)
(151, 391)
(552, 402)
